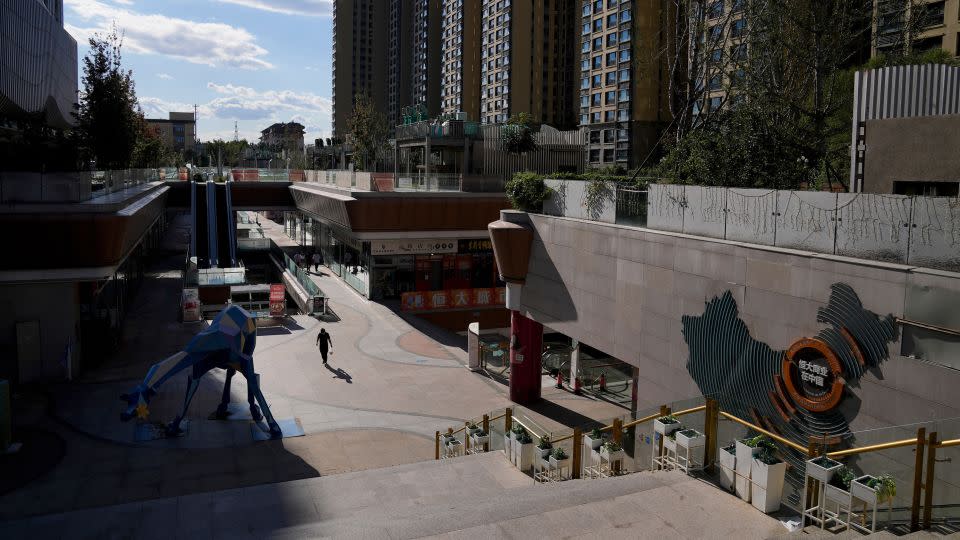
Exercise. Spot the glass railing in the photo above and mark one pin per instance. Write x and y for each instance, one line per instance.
(357, 280)
(428, 182)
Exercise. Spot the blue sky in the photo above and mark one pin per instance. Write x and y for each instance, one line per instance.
(251, 61)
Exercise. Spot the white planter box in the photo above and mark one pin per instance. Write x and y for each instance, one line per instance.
(557, 463)
(692, 440)
(862, 491)
(593, 444)
(477, 440)
(744, 458)
(821, 473)
(728, 465)
(544, 453)
(454, 447)
(837, 495)
(767, 484)
(669, 444)
(612, 456)
(665, 429)
(471, 431)
(524, 460)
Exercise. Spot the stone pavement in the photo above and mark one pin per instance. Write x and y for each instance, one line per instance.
(480, 496)
(388, 388)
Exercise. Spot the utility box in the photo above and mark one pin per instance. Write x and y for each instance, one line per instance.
(6, 417)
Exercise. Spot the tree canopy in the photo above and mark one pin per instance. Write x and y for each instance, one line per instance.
(367, 133)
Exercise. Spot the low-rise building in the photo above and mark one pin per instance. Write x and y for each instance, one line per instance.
(286, 135)
(178, 132)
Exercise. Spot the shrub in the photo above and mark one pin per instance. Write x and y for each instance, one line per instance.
(527, 191)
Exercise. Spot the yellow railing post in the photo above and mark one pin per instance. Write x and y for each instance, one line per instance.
(436, 446)
(711, 430)
(917, 483)
(507, 421)
(577, 453)
(486, 429)
(931, 477)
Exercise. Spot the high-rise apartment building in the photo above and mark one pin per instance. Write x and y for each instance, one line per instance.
(937, 25)
(361, 32)
(460, 72)
(398, 77)
(527, 62)
(623, 80)
(717, 51)
(425, 63)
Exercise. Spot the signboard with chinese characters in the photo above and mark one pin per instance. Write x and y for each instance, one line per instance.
(812, 375)
(412, 247)
(475, 245)
(278, 300)
(452, 299)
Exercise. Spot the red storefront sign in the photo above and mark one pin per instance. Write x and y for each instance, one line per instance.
(452, 299)
(278, 300)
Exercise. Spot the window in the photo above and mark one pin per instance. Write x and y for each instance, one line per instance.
(716, 56)
(584, 119)
(598, 25)
(608, 135)
(715, 10)
(610, 97)
(624, 35)
(595, 137)
(715, 33)
(585, 65)
(933, 14)
(597, 62)
(597, 81)
(608, 155)
(623, 135)
(623, 115)
(623, 96)
(625, 16)
(595, 118)
(611, 58)
(611, 20)
(738, 27)
(597, 43)
(623, 75)
(714, 103)
(611, 39)
(611, 77)
(584, 101)
(716, 82)
(739, 52)
(584, 83)
(586, 10)
(625, 55)
(608, 116)
(586, 28)
(595, 156)
(595, 99)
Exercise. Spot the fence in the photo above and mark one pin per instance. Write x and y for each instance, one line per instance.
(31, 187)
(914, 230)
(341, 178)
(429, 182)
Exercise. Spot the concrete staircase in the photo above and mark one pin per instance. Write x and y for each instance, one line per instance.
(480, 496)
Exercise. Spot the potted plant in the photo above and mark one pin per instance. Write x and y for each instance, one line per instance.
(523, 452)
(690, 438)
(746, 449)
(666, 425)
(767, 473)
(612, 451)
(594, 439)
(874, 489)
(544, 447)
(822, 468)
(728, 464)
(670, 443)
(472, 428)
(479, 437)
(509, 438)
(838, 487)
(558, 457)
(453, 446)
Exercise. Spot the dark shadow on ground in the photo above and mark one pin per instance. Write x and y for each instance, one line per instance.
(272, 331)
(434, 332)
(40, 452)
(563, 415)
(339, 373)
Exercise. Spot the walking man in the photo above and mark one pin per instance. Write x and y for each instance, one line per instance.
(325, 344)
(316, 261)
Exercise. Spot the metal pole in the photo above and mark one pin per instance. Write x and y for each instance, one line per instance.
(931, 478)
(917, 483)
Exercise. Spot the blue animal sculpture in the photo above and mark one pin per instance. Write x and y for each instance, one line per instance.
(228, 344)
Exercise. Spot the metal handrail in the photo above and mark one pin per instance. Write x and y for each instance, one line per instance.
(949, 442)
(498, 417)
(690, 410)
(872, 448)
(773, 436)
(639, 421)
(561, 439)
(526, 427)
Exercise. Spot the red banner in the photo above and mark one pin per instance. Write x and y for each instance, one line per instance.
(278, 300)
(452, 299)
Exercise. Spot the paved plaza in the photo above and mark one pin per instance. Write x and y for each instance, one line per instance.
(388, 388)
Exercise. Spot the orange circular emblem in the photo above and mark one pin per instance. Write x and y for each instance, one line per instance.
(813, 375)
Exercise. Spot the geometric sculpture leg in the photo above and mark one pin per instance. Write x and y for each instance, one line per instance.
(222, 411)
(253, 381)
(173, 429)
(251, 399)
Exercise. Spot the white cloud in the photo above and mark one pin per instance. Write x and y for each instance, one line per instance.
(254, 109)
(208, 43)
(313, 8)
(165, 76)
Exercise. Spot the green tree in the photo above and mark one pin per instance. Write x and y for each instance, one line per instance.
(367, 133)
(517, 134)
(108, 117)
(150, 151)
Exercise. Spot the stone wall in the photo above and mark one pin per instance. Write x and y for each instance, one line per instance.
(625, 290)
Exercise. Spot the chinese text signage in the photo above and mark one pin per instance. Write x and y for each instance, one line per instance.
(452, 299)
(412, 247)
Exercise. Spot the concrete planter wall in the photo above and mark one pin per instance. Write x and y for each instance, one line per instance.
(569, 199)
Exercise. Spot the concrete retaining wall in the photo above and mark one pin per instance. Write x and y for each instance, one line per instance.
(624, 290)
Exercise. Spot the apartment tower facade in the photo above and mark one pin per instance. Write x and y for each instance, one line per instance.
(460, 71)
(361, 32)
(937, 25)
(623, 78)
(528, 61)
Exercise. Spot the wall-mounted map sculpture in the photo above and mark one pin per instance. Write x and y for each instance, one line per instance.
(801, 393)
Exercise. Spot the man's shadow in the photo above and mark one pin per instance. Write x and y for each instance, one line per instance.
(339, 373)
